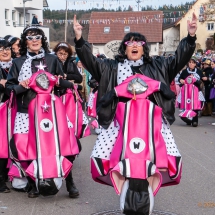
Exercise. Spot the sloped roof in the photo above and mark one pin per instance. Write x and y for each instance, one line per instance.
(151, 29)
(169, 25)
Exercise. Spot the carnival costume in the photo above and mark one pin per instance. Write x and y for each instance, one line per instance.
(5, 131)
(191, 98)
(158, 163)
(91, 105)
(71, 99)
(109, 74)
(208, 73)
(43, 143)
(73, 106)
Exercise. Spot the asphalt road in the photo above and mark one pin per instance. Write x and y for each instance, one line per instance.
(194, 196)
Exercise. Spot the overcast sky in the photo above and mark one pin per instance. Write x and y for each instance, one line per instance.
(82, 4)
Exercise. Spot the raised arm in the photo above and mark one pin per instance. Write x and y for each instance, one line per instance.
(184, 51)
(92, 64)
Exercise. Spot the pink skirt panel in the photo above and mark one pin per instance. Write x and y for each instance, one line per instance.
(95, 124)
(49, 171)
(4, 131)
(74, 111)
(190, 98)
(128, 169)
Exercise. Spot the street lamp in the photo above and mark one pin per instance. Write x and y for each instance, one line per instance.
(24, 11)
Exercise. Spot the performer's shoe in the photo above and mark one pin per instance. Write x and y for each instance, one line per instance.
(188, 123)
(3, 186)
(33, 193)
(195, 124)
(71, 188)
(73, 191)
(136, 197)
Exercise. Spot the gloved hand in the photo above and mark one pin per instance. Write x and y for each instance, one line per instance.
(79, 87)
(65, 83)
(106, 100)
(166, 92)
(93, 83)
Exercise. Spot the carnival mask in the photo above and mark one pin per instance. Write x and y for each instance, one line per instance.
(42, 81)
(137, 86)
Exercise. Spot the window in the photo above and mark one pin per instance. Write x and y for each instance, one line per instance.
(106, 30)
(20, 18)
(14, 17)
(7, 16)
(27, 16)
(126, 29)
(210, 26)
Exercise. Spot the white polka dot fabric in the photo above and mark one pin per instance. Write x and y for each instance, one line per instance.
(169, 140)
(90, 100)
(105, 141)
(85, 120)
(21, 123)
(124, 69)
(6, 65)
(26, 71)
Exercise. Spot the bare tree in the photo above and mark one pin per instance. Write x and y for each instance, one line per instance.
(169, 42)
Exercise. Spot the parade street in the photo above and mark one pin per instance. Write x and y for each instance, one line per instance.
(194, 196)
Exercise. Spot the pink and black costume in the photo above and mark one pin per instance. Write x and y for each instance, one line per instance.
(43, 143)
(91, 106)
(72, 102)
(5, 131)
(191, 98)
(112, 160)
(71, 99)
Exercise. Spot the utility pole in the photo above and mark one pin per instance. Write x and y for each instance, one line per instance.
(66, 22)
(138, 2)
(24, 13)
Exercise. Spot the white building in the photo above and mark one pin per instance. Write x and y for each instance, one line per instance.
(171, 39)
(12, 15)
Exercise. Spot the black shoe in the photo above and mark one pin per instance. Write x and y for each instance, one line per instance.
(71, 188)
(73, 191)
(195, 124)
(4, 188)
(188, 123)
(33, 193)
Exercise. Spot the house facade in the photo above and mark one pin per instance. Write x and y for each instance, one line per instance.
(171, 39)
(12, 16)
(112, 26)
(206, 29)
